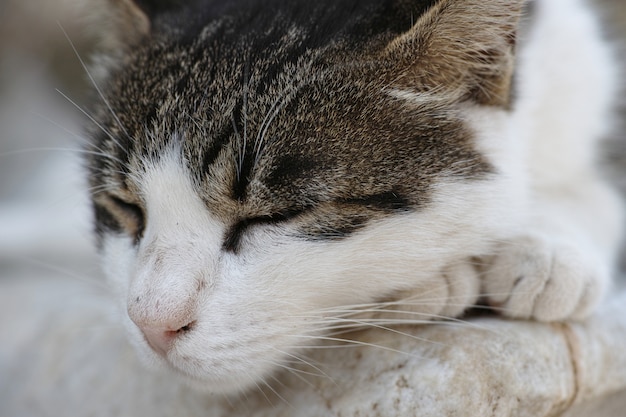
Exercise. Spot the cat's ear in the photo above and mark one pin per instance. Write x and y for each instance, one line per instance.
(119, 24)
(462, 48)
(122, 24)
(114, 27)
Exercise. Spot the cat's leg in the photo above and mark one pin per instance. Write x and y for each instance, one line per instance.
(447, 294)
(560, 265)
(462, 287)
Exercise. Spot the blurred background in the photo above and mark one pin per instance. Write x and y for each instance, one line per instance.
(44, 213)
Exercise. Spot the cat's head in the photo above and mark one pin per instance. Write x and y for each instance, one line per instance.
(260, 165)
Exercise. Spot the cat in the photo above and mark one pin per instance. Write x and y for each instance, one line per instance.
(265, 173)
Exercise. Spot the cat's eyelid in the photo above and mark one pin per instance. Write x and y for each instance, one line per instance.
(123, 198)
(233, 236)
(130, 215)
(285, 215)
(386, 201)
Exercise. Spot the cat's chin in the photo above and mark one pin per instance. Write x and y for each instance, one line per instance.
(209, 384)
(212, 375)
(197, 375)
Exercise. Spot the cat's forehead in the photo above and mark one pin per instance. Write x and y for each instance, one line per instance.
(273, 123)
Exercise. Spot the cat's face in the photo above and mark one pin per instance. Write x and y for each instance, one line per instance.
(252, 183)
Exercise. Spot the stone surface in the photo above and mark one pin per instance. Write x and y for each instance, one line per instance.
(61, 345)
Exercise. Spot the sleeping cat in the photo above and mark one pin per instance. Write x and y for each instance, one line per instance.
(268, 172)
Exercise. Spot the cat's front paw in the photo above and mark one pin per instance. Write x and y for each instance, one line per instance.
(536, 277)
(446, 295)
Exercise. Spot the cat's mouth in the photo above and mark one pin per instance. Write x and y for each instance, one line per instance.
(223, 365)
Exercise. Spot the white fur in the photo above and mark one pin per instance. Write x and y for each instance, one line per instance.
(545, 217)
(562, 263)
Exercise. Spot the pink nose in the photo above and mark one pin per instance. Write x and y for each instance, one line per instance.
(161, 320)
(161, 338)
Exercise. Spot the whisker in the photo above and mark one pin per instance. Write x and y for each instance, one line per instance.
(243, 141)
(265, 128)
(229, 401)
(91, 119)
(273, 112)
(193, 120)
(241, 150)
(350, 325)
(350, 342)
(94, 191)
(70, 150)
(93, 81)
(343, 329)
(306, 362)
(397, 311)
(268, 385)
(257, 145)
(392, 330)
(296, 372)
(260, 389)
(246, 90)
(81, 139)
(63, 271)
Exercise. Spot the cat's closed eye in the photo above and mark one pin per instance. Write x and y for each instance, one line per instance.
(122, 215)
(234, 234)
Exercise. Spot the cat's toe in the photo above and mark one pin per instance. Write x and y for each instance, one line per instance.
(462, 285)
(534, 277)
(447, 295)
